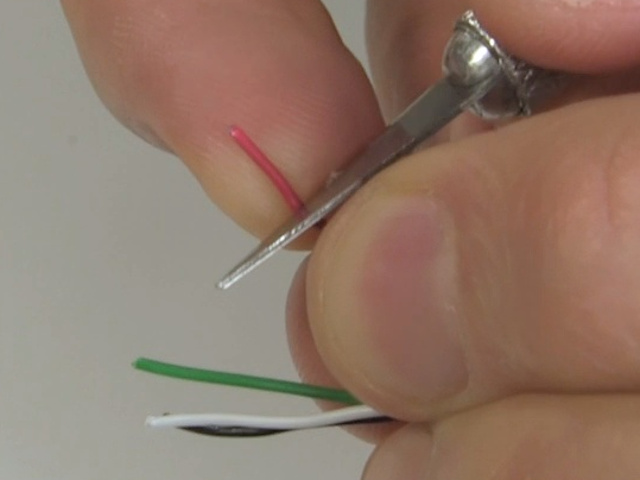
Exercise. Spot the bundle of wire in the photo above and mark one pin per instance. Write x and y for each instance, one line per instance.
(233, 425)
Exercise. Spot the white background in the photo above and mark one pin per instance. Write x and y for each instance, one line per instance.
(108, 251)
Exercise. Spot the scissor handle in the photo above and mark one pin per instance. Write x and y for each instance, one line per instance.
(472, 55)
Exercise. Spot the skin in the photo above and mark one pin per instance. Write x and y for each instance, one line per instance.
(484, 290)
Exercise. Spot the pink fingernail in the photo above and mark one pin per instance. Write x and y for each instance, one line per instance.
(409, 290)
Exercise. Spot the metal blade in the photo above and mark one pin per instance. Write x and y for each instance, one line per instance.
(426, 116)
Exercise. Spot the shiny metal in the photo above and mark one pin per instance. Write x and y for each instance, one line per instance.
(479, 76)
(434, 109)
(521, 88)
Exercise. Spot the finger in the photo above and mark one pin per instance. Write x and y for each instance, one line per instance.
(405, 454)
(505, 263)
(406, 39)
(308, 361)
(180, 73)
(545, 438)
(405, 43)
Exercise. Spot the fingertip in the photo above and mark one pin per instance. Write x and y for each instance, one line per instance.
(406, 454)
(576, 36)
(308, 362)
(186, 71)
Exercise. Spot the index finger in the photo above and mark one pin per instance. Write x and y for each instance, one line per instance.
(180, 73)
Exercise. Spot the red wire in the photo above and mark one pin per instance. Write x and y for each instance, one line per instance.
(259, 158)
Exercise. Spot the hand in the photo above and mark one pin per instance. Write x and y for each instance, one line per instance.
(486, 290)
(521, 272)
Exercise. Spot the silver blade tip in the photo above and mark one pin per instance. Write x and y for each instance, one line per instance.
(232, 278)
(225, 283)
(241, 270)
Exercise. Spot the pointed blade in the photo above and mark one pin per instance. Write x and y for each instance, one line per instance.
(425, 117)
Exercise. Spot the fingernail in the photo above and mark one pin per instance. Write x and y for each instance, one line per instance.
(406, 297)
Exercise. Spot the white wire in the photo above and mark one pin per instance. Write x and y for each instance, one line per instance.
(348, 414)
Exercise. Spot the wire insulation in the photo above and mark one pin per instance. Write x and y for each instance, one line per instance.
(245, 432)
(332, 418)
(270, 170)
(245, 381)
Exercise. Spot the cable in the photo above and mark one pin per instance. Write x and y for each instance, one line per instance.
(230, 425)
(236, 431)
(252, 425)
(245, 381)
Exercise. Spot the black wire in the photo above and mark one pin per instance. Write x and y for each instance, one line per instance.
(235, 432)
(246, 432)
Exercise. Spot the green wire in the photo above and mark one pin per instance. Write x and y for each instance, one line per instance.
(245, 381)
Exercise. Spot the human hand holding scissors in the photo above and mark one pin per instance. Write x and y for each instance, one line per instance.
(504, 262)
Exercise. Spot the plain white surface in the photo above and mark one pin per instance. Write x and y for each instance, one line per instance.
(108, 251)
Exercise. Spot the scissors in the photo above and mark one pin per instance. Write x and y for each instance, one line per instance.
(479, 76)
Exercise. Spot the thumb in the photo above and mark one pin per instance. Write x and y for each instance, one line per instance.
(504, 263)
